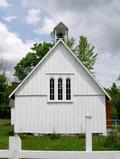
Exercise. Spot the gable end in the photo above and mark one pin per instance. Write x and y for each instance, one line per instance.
(77, 60)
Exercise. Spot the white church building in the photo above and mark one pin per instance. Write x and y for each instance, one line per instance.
(58, 93)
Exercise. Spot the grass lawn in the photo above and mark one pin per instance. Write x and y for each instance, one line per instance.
(56, 142)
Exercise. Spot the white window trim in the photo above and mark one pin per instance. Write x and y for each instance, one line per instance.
(56, 89)
(62, 88)
(69, 88)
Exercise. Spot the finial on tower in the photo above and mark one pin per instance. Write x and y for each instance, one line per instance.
(60, 31)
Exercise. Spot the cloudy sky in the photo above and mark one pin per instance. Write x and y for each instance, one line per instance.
(24, 22)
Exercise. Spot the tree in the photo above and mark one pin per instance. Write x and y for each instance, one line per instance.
(83, 51)
(4, 66)
(4, 100)
(5, 90)
(27, 63)
(70, 43)
(86, 53)
(22, 69)
(115, 95)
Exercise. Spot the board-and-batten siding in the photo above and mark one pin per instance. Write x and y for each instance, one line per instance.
(33, 112)
(35, 116)
(61, 62)
(12, 116)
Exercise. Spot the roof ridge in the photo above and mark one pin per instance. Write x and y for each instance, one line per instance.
(96, 81)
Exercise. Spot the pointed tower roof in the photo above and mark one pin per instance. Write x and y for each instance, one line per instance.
(61, 25)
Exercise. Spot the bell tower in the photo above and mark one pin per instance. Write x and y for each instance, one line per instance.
(60, 31)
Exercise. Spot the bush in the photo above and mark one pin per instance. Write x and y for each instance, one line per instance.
(81, 136)
(4, 111)
(54, 136)
(112, 142)
(10, 133)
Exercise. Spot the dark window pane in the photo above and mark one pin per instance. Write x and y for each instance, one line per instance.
(68, 89)
(51, 89)
(60, 89)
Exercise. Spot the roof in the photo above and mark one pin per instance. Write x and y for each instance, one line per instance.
(49, 52)
(61, 25)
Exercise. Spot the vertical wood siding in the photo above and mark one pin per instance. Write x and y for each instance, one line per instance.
(108, 113)
(12, 115)
(33, 111)
(34, 115)
(60, 62)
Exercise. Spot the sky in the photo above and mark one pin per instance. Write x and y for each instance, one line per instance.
(25, 22)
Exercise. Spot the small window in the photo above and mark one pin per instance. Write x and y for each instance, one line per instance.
(60, 89)
(52, 91)
(68, 89)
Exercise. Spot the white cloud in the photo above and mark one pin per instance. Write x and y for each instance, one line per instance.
(10, 18)
(39, 3)
(98, 20)
(47, 27)
(33, 16)
(4, 4)
(11, 46)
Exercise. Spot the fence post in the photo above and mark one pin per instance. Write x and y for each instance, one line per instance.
(15, 146)
(88, 133)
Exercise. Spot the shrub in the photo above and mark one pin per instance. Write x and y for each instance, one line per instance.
(54, 136)
(112, 142)
(81, 136)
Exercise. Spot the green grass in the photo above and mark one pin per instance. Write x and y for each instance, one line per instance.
(52, 142)
(46, 143)
(5, 131)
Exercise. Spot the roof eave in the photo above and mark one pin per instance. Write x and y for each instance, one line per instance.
(98, 83)
(14, 91)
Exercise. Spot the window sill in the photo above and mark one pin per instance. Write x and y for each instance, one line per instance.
(60, 101)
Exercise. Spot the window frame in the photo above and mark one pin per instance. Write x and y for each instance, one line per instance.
(63, 77)
(60, 90)
(68, 89)
(52, 89)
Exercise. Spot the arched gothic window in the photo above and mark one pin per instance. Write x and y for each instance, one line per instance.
(52, 89)
(60, 89)
(68, 89)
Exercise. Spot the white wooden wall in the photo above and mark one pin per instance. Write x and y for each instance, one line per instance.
(12, 115)
(36, 116)
(33, 111)
(59, 63)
